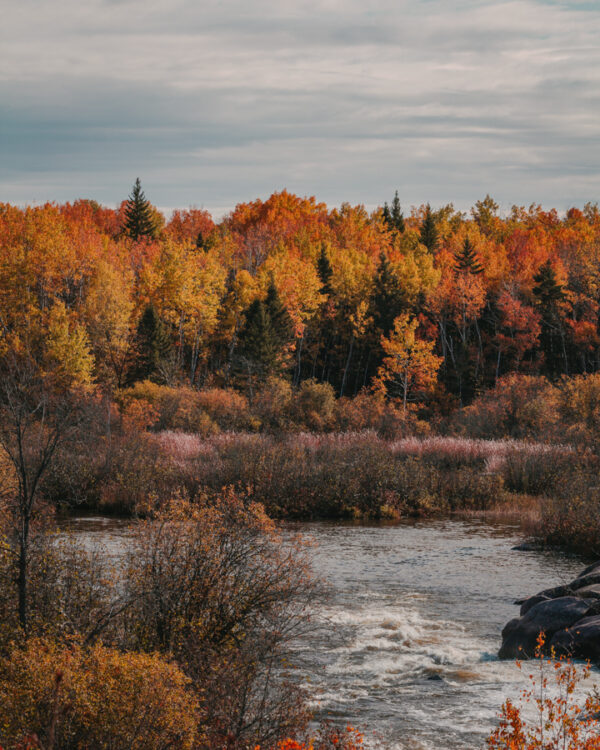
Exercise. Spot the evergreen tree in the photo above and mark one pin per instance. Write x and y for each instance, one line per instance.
(278, 316)
(467, 260)
(393, 216)
(258, 350)
(429, 233)
(139, 215)
(152, 346)
(325, 271)
(200, 242)
(396, 214)
(388, 298)
(550, 296)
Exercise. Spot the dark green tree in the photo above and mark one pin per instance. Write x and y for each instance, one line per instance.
(388, 299)
(152, 347)
(200, 242)
(429, 233)
(467, 260)
(393, 216)
(258, 351)
(140, 221)
(325, 271)
(278, 316)
(550, 296)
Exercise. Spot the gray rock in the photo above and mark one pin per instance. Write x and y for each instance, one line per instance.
(581, 640)
(589, 592)
(527, 547)
(520, 635)
(594, 567)
(531, 602)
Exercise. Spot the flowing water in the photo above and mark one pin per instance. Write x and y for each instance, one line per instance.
(408, 638)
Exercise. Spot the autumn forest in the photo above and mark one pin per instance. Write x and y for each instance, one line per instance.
(206, 383)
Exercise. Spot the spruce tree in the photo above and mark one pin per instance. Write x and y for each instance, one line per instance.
(429, 233)
(139, 215)
(393, 216)
(325, 271)
(200, 242)
(467, 260)
(258, 348)
(278, 315)
(152, 346)
(388, 297)
(550, 295)
(396, 215)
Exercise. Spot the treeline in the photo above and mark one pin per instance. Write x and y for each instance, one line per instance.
(429, 308)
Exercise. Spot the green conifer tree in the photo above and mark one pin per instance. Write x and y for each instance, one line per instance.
(278, 316)
(393, 216)
(467, 260)
(152, 346)
(388, 299)
(397, 217)
(550, 296)
(325, 271)
(429, 233)
(139, 215)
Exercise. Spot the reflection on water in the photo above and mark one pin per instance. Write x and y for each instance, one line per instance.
(413, 623)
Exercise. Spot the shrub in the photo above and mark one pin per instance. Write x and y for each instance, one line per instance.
(559, 722)
(64, 696)
(272, 404)
(519, 406)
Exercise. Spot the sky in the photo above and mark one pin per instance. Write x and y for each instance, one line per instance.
(214, 102)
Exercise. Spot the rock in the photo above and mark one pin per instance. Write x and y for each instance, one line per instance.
(585, 580)
(590, 569)
(571, 589)
(581, 641)
(531, 602)
(589, 592)
(519, 636)
(527, 547)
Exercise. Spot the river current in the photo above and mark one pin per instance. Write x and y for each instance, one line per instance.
(409, 633)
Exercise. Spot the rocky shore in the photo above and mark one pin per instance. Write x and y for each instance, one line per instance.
(568, 615)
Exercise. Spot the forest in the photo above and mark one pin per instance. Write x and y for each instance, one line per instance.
(290, 362)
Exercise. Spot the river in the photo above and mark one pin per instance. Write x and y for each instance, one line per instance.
(411, 628)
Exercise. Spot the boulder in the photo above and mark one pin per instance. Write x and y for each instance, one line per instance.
(581, 641)
(519, 636)
(531, 602)
(589, 592)
(594, 567)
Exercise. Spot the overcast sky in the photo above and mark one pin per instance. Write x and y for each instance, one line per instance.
(214, 102)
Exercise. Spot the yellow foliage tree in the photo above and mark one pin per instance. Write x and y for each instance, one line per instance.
(68, 355)
(409, 363)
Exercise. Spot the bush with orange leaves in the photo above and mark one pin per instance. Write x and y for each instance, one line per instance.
(328, 738)
(559, 722)
(64, 696)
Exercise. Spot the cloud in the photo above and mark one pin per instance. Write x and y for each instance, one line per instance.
(221, 101)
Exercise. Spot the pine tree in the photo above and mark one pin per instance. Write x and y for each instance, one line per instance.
(152, 346)
(139, 215)
(388, 298)
(278, 315)
(429, 233)
(467, 260)
(200, 242)
(550, 296)
(325, 271)
(396, 214)
(393, 216)
(258, 348)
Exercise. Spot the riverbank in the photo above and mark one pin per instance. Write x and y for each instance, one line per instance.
(405, 641)
(549, 488)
